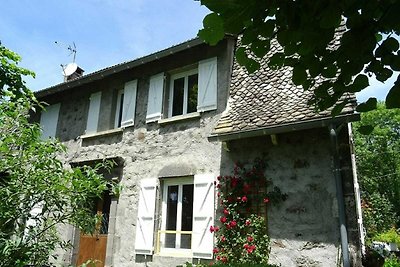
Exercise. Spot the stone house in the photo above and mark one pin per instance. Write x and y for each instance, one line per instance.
(176, 119)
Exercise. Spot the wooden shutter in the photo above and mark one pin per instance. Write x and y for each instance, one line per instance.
(207, 94)
(93, 114)
(49, 120)
(203, 216)
(145, 217)
(129, 105)
(154, 102)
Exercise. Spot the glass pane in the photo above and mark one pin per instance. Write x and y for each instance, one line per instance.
(192, 93)
(172, 205)
(121, 104)
(187, 215)
(177, 104)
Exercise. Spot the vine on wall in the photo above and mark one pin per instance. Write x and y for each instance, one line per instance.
(244, 198)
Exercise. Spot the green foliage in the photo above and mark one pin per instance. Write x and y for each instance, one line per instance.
(390, 236)
(37, 193)
(308, 32)
(12, 84)
(392, 261)
(242, 236)
(378, 163)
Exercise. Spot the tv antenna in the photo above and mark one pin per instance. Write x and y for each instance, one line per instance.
(70, 48)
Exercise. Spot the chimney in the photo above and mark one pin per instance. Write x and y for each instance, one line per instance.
(72, 71)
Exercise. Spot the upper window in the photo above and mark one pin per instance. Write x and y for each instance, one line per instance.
(183, 93)
(189, 91)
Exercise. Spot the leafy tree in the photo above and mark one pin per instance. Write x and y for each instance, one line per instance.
(344, 43)
(37, 193)
(378, 160)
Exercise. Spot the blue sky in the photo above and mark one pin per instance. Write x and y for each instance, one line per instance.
(106, 32)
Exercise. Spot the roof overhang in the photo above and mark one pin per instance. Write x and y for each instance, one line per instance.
(97, 75)
(286, 127)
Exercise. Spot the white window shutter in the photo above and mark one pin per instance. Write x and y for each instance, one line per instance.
(203, 216)
(49, 120)
(93, 114)
(145, 217)
(155, 99)
(207, 94)
(129, 105)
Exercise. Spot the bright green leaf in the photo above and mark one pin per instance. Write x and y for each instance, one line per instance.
(213, 31)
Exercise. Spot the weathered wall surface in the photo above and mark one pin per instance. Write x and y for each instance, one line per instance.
(304, 229)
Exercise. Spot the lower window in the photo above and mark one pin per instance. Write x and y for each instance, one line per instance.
(177, 215)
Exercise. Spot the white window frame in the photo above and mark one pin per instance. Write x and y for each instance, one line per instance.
(118, 110)
(174, 77)
(180, 182)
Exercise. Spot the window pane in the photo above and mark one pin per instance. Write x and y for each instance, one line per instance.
(192, 93)
(177, 104)
(121, 105)
(172, 205)
(187, 214)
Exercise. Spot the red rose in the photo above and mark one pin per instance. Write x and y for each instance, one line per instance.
(223, 238)
(244, 199)
(266, 200)
(226, 212)
(248, 222)
(233, 224)
(212, 229)
(215, 250)
(216, 229)
(222, 219)
(250, 239)
(219, 177)
(224, 259)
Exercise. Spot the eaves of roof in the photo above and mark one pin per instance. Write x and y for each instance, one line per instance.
(100, 74)
(286, 127)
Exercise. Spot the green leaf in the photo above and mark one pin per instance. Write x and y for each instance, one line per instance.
(213, 31)
(329, 71)
(365, 129)
(369, 105)
(276, 60)
(338, 108)
(241, 56)
(299, 74)
(260, 47)
(360, 82)
(252, 65)
(393, 97)
(330, 16)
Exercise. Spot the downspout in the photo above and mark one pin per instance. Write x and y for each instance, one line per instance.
(339, 196)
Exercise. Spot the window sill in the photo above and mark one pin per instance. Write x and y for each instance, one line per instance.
(102, 133)
(190, 116)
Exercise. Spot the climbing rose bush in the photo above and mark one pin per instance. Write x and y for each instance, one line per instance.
(242, 231)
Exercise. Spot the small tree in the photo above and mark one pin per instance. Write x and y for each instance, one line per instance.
(37, 193)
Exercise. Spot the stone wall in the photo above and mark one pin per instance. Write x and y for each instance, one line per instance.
(304, 229)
